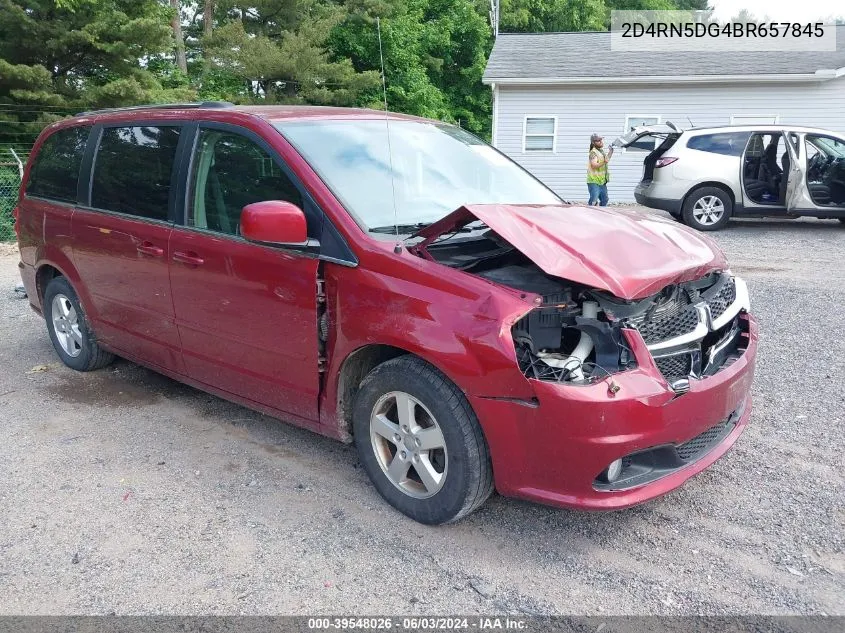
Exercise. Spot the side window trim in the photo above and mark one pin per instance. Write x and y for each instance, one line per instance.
(184, 163)
(86, 171)
(94, 148)
(339, 252)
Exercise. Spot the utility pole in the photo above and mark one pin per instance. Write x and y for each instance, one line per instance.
(494, 17)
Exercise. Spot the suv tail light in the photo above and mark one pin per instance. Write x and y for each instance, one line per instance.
(666, 160)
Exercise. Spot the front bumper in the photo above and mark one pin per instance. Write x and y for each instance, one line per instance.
(553, 450)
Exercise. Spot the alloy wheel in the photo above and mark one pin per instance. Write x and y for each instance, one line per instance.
(708, 210)
(408, 444)
(66, 326)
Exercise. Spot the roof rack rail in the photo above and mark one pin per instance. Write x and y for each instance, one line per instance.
(161, 106)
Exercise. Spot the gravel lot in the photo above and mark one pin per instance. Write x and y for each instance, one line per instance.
(123, 491)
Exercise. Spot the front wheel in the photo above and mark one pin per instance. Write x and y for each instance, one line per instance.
(420, 442)
(707, 209)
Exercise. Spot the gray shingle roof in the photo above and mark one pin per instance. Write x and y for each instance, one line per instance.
(588, 54)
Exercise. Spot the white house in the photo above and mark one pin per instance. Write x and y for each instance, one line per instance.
(552, 90)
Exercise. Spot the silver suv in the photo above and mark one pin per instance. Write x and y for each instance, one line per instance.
(703, 176)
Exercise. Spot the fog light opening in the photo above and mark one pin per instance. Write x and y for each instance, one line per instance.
(612, 472)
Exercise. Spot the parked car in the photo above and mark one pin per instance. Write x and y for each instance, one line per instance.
(704, 176)
(435, 303)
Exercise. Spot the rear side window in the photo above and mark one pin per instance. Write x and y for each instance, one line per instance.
(133, 170)
(55, 172)
(726, 143)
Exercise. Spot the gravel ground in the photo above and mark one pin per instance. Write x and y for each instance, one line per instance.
(126, 492)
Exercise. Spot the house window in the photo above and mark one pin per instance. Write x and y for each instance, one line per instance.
(539, 134)
(754, 119)
(646, 143)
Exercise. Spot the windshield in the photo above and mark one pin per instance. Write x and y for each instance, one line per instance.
(829, 146)
(436, 169)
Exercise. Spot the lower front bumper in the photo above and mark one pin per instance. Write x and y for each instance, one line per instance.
(553, 450)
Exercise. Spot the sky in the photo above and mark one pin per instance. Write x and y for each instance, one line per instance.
(780, 10)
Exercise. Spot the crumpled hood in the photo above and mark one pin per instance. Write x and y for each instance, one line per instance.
(627, 253)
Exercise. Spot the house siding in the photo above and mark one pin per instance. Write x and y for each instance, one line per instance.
(581, 110)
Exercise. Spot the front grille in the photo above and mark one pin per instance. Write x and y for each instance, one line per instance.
(677, 314)
(669, 324)
(700, 444)
(725, 297)
(674, 367)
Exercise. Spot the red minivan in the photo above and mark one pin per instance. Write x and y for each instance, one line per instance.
(398, 283)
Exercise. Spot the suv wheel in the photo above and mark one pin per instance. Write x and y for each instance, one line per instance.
(68, 328)
(707, 209)
(420, 442)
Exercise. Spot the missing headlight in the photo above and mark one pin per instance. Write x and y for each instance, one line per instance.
(569, 343)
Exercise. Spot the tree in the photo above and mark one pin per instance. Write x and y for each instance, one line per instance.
(176, 23)
(63, 56)
(277, 50)
(692, 5)
(208, 18)
(435, 52)
(537, 16)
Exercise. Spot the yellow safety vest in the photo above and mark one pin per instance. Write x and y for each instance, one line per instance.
(597, 175)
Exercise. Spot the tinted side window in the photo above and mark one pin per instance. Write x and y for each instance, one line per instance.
(727, 143)
(230, 172)
(133, 169)
(55, 172)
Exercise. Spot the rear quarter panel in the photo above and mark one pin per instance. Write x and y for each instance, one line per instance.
(695, 167)
(45, 240)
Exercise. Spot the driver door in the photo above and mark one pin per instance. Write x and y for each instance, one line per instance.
(246, 313)
(797, 193)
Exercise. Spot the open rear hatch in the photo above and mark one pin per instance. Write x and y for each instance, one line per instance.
(666, 131)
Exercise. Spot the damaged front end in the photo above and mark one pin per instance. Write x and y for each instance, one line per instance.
(692, 330)
(598, 274)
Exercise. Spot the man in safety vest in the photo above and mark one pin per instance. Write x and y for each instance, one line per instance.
(597, 175)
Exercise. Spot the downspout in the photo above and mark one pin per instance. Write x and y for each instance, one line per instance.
(495, 134)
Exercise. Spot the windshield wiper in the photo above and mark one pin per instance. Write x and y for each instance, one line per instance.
(401, 229)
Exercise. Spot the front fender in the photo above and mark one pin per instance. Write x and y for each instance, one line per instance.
(464, 333)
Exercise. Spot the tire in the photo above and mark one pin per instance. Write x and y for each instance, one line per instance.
(707, 209)
(456, 479)
(69, 331)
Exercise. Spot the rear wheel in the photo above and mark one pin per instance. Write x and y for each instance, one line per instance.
(68, 328)
(707, 209)
(420, 442)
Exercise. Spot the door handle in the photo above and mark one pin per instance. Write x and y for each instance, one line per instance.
(148, 248)
(190, 258)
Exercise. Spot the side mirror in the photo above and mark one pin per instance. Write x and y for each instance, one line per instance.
(274, 222)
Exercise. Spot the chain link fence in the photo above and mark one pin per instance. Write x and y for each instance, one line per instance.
(11, 172)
